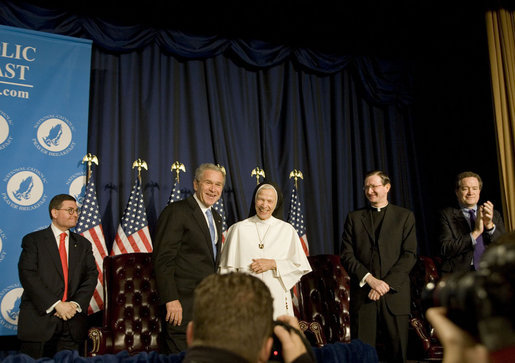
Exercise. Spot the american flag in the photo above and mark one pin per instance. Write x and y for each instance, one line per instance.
(133, 234)
(90, 226)
(175, 195)
(296, 219)
(220, 209)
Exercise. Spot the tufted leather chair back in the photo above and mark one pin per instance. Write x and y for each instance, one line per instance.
(423, 344)
(131, 317)
(324, 297)
(424, 272)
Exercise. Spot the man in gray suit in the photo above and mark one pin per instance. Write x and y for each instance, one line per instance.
(58, 274)
(379, 249)
(186, 250)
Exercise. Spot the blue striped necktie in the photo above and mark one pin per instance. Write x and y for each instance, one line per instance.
(212, 230)
(479, 248)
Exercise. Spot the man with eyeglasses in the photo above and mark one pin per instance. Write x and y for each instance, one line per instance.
(379, 248)
(468, 228)
(58, 274)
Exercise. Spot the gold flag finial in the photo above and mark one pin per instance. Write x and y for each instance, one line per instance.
(178, 167)
(222, 169)
(140, 164)
(257, 172)
(90, 159)
(296, 174)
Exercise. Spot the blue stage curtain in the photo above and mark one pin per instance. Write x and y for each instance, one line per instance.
(163, 95)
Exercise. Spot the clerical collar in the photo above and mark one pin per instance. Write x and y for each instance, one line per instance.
(378, 209)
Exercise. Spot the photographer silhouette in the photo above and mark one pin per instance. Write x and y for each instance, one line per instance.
(486, 297)
(232, 322)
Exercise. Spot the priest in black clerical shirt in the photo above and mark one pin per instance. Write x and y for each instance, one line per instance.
(379, 249)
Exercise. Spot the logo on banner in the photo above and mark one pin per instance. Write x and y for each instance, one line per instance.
(5, 128)
(10, 299)
(77, 187)
(25, 189)
(2, 239)
(54, 136)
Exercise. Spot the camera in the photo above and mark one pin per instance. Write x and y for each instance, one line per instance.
(480, 302)
(276, 354)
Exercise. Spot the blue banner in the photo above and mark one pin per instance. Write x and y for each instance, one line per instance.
(44, 99)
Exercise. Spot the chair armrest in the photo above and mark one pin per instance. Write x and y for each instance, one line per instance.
(432, 348)
(417, 325)
(99, 342)
(313, 332)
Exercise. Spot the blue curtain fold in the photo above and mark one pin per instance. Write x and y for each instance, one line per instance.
(164, 95)
(382, 83)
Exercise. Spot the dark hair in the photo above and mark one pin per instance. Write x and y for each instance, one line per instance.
(385, 179)
(468, 174)
(57, 201)
(234, 312)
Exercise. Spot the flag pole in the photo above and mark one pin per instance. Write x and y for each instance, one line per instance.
(296, 174)
(222, 168)
(89, 158)
(219, 206)
(140, 164)
(295, 216)
(177, 167)
(258, 173)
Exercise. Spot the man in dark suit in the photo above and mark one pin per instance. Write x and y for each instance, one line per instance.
(379, 249)
(186, 250)
(53, 312)
(467, 229)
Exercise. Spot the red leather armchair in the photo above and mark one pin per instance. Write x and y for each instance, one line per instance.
(424, 344)
(324, 297)
(130, 317)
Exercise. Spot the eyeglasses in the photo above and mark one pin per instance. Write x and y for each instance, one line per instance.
(71, 211)
(374, 187)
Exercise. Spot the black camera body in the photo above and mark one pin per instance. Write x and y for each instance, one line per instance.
(480, 302)
(276, 354)
(463, 296)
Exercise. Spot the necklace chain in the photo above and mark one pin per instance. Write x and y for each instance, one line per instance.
(261, 245)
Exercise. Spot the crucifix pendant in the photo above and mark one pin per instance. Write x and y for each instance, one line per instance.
(261, 246)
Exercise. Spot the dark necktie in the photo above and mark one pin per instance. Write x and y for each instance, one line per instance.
(212, 230)
(479, 248)
(64, 263)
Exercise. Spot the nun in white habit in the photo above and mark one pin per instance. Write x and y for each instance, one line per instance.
(267, 248)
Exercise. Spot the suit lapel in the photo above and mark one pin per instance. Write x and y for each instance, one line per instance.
(201, 221)
(367, 223)
(53, 250)
(389, 222)
(460, 220)
(389, 218)
(74, 256)
(218, 224)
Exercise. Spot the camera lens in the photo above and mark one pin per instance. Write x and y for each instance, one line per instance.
(458, 293)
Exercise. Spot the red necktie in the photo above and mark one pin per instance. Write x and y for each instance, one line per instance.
(64, 262)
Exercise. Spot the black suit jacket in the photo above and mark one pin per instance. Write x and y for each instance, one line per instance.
(397, 245)
(183, 252)
(41, 277)
(456, 247)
